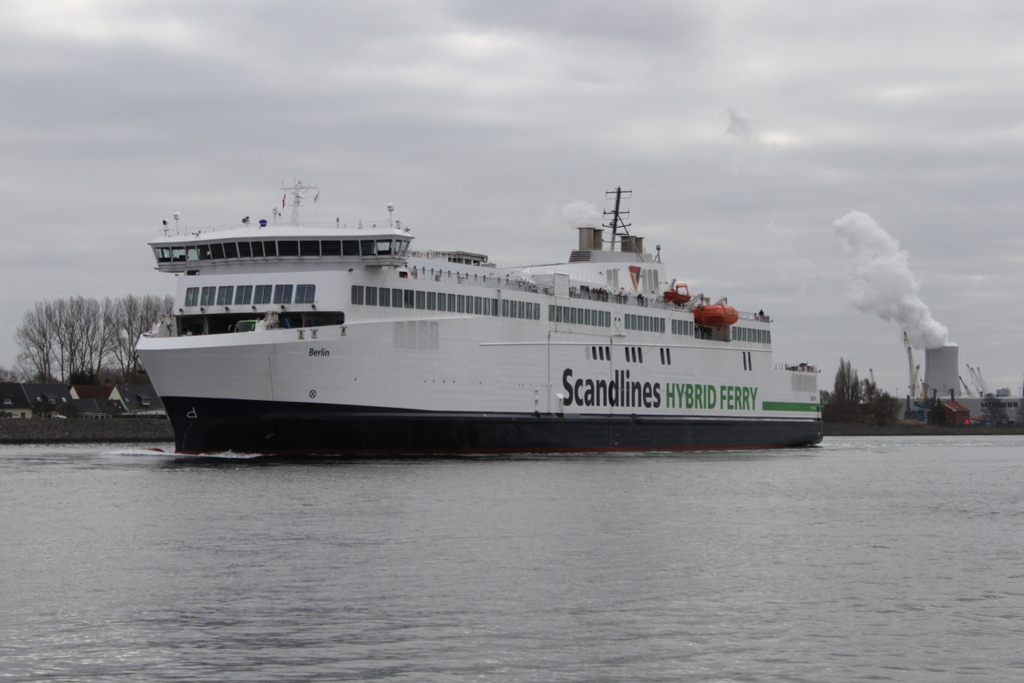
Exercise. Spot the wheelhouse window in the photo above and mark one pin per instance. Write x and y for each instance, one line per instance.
(350, 248)
(257, 249)
(230, 250)
(217, 251)
(383, 247)
(330, 248)
(177, 253)
(243, 250)
(163, 254)
(270, 248)
(309, 248)
(192, 253)
(366, 247)
(288, 248)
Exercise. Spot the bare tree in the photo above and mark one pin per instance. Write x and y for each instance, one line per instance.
(84, 326)
(76, 327)
(73, 340)
(847, 387)
(843, 404)
(124, 321)
(57, 318)
(35, 340)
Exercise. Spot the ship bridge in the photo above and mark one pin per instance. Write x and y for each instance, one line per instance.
(183, 254)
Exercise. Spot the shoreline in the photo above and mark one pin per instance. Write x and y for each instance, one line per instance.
(903, 429)
(84, 430)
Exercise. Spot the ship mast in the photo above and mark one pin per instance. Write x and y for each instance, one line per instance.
(617, 215)
(297, 191)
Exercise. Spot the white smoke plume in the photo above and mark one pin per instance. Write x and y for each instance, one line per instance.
(580, 214)
(881, 281)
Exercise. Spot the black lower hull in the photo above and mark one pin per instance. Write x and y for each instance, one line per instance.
(217, 425)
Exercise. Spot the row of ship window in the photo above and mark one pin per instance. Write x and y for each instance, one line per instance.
(271, 248)
(579, 316)
(645, 323)
(249, 294)
(441, 301)
(458, 303)
(751, 334)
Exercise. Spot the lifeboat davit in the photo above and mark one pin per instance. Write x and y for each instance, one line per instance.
(715, 315)
(678, 293)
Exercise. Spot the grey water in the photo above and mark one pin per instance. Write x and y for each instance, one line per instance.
(864, 559)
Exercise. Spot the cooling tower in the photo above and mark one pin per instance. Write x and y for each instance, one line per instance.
(940, 370)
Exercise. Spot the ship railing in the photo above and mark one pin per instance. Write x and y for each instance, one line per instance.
(504, 282)
(658, 303)
(186, 231)
(543, 285)
(758, 317)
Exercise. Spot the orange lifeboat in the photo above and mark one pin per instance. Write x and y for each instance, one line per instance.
(677, 293)
(715, 315)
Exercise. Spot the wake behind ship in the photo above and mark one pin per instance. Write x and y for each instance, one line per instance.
(345, 340)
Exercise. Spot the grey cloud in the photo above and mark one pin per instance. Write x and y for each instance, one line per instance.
(475, 118)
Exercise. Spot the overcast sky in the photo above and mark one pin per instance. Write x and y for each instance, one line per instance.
(744, 129)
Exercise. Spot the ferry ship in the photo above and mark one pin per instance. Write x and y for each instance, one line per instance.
(293, 338)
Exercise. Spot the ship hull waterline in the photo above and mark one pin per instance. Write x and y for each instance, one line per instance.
(204, 426)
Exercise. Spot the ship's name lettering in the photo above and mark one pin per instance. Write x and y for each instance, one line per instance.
(319, 353)
(619, 391)
(622, 391)
(708, 396)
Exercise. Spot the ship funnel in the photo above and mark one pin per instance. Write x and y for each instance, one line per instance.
(591, 239)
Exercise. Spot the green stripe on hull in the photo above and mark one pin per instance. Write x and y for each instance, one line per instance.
(793, 407)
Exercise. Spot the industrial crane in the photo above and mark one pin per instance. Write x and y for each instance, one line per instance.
(916, 390)
(978, 381)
